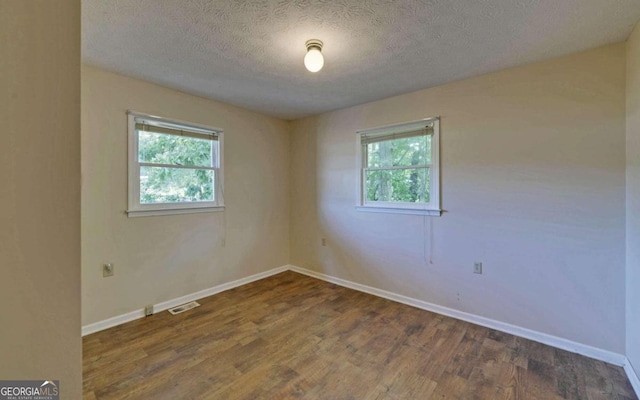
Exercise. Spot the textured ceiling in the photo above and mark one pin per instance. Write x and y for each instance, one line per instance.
(249, 53)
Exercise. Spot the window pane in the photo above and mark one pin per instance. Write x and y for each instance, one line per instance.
(175, 185)
(398, 185)
(163, 148)
(414, 150)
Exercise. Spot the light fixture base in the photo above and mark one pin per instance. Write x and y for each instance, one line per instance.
(313, 43)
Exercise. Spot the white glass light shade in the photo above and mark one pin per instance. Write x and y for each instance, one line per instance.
(313, 61)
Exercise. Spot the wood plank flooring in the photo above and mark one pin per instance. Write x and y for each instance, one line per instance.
(294, 337)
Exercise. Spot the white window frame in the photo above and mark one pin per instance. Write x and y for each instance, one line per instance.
(137, 209)
(433, 207)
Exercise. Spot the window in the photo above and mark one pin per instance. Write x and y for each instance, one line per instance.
(174, 167)
(399, 168)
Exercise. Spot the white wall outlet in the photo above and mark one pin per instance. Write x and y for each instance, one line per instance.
(107, 270)
(477, 267)
(148, 310)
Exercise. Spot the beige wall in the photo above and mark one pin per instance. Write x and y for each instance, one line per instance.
(633, 199)
(40, 192)
(160, 258)
(533, 184)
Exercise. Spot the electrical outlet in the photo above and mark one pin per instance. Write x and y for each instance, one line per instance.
(477, 267)
(107, 270)
(323, 241)
(148, 310)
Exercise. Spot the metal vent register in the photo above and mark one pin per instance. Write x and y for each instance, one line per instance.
(184, 307)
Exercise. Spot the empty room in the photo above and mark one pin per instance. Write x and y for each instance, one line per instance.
(320, 199)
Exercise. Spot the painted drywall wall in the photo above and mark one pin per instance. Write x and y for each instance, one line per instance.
(40, 192)
(633, 199)
(160, 258)
(533, 185)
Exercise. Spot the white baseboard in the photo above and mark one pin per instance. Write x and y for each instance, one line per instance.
(633, 377)
(554, 341)
(133, 315)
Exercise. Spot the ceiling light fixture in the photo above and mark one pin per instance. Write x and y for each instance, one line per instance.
(314, 61)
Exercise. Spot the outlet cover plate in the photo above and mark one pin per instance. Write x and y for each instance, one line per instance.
(477, 268)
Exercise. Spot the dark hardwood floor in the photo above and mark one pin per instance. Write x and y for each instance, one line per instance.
(290, 336)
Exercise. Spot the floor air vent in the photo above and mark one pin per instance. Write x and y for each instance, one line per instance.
(183, 308)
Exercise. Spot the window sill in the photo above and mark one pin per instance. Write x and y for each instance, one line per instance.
(172, 211)
(391, 210)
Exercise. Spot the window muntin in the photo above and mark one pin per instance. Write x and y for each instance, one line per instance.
(173, 167)
(399, 167)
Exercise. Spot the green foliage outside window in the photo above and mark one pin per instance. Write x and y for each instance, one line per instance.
(387, 180)
(167, 184)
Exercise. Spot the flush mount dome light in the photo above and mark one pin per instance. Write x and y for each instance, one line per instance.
(314, 61)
